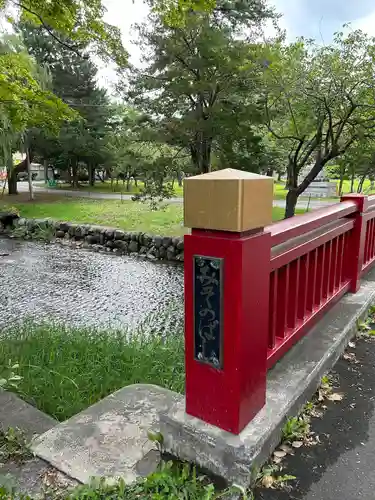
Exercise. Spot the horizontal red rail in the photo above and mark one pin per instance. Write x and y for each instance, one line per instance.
(296, 226)
(305, 244)
(371, 201)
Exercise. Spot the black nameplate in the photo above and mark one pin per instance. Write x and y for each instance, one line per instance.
(208, 310)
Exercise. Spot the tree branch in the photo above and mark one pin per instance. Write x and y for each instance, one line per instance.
(49, 30)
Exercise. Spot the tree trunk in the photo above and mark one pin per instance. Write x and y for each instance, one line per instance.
(128, 183)
(179, 178)
(279, 176)
(291, 202)
(200, 151)
(91, 171)
(12, 177)
(29, 176)
(45, 167)
(352, 182)
(75, 175)
(206, 156)
(342, 175)
(360, 184)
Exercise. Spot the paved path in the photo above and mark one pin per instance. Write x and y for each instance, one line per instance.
(23, 186)
(342, 466)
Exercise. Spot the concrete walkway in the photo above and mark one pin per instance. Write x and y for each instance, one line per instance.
(342, 466)
(23, 187)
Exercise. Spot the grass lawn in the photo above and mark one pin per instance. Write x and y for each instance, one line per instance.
(127, 215)
(64, 370)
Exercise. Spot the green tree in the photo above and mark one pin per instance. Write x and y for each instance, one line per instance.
(201, 81)
(80, 21)
(319, 102)
(25, 102)
(74, 81)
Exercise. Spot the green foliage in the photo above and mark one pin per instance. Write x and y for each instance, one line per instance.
(270, 477)
(296, 428)
(318, 101)
(64, 370)
(154, 193)
(9, 376)
(79, 20)
(172, 481)
(200, 85)
(82, 142)
(39, 232)
(13, 446)
(24, 102)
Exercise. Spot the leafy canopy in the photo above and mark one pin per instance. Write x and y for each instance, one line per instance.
(320, 100)
(25, 101)
(200, 82)
(79, 20)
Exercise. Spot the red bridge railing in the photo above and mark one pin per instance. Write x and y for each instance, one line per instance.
(266, 289)
(309, 272)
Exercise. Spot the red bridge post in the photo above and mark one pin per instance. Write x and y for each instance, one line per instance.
(227, 272)
(356, 244)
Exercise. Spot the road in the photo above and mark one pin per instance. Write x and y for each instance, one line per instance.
(23, 186)
(341, 467)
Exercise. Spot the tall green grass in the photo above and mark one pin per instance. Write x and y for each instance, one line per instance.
(66, 369)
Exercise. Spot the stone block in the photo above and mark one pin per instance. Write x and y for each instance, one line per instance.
(157, 241)
(133, 246)
(119, 235)
(167, 241)
(110, 438)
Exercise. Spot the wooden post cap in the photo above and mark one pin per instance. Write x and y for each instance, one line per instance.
(228, 200)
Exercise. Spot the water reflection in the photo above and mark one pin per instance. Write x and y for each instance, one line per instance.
(85, 288)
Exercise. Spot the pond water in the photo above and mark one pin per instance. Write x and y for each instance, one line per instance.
(82, 288)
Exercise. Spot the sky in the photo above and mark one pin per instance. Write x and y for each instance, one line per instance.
(318, 19)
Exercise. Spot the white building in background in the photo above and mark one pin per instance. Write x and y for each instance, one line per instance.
(321, 186)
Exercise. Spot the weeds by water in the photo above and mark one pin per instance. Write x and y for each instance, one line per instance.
(64, 369)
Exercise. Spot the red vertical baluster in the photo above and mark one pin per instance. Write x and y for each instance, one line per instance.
(355, 251)
(282, 301)
(303, 287)
(340, 260)
(319, 275)
(327, 269)
(367, 252)
(273, 309)
(367, 242)
(294, 280)
(312, 280)
(333, 274)
(372, 240)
